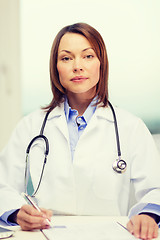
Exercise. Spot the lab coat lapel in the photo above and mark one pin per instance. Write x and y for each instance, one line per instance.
(100, 112)
(61, 124)
(58, 117)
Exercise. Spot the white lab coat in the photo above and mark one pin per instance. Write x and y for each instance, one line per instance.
(87, 185)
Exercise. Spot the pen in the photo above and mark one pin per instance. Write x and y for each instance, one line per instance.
(30, 200)
(122, 226)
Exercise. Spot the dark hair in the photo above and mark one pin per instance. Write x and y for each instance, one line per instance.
(96, 41)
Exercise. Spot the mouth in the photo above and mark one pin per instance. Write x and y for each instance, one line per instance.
(78, 79)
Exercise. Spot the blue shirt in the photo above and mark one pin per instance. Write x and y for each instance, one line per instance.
(77, 124)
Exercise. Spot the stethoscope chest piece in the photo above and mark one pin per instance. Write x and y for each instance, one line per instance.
(119, 166)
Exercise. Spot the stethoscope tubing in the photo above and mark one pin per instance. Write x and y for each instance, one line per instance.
(116, 130)
(40, 136)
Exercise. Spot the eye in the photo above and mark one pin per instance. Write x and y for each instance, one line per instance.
(89, 56)
(66, 59)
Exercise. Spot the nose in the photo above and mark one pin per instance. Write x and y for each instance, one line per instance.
(77, 70)
(77, 66)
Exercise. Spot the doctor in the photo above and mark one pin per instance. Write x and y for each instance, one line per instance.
(78, 177)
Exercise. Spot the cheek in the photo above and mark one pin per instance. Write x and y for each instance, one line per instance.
(62, 71)
(96, 71)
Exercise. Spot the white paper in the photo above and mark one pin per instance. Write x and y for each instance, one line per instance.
(89, 231)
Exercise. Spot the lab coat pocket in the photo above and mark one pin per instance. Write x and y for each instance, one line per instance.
(104, 182)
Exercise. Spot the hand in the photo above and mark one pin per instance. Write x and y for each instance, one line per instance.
(30, 218)
(143, 227)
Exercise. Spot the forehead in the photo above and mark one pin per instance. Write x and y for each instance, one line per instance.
(73, 41)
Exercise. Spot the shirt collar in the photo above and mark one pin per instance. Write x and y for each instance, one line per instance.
(87, 114)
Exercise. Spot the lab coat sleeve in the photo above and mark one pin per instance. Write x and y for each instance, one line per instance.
(12, 165)
(145, 166)
(151, 208)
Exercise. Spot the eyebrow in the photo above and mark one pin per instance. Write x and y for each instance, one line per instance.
(67, 51)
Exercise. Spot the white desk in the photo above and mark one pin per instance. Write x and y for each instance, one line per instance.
(63, 220)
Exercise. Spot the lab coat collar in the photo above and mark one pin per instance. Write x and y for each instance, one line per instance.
(104, 112)
(101, 112)
(57, 112)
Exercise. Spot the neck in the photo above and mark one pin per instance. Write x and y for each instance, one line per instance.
(78, 103)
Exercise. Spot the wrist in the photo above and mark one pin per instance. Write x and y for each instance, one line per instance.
(152, 215)
(13, 217)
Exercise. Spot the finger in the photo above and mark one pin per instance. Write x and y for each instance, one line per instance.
(32, 218)
(153, 231)
(48, 213)
(136, 226)
(144, 228)
(29, 215)
(31, 210)
(32, 222)
(130, 227)
(31, 226)
(155, 234)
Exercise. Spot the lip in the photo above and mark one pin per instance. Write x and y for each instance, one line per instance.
(79, 78)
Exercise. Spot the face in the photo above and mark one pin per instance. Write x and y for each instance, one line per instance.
(77, 65)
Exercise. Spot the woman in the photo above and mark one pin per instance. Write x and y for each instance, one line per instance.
(80, 129)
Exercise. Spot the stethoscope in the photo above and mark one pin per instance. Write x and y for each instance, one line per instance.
(118, 165)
